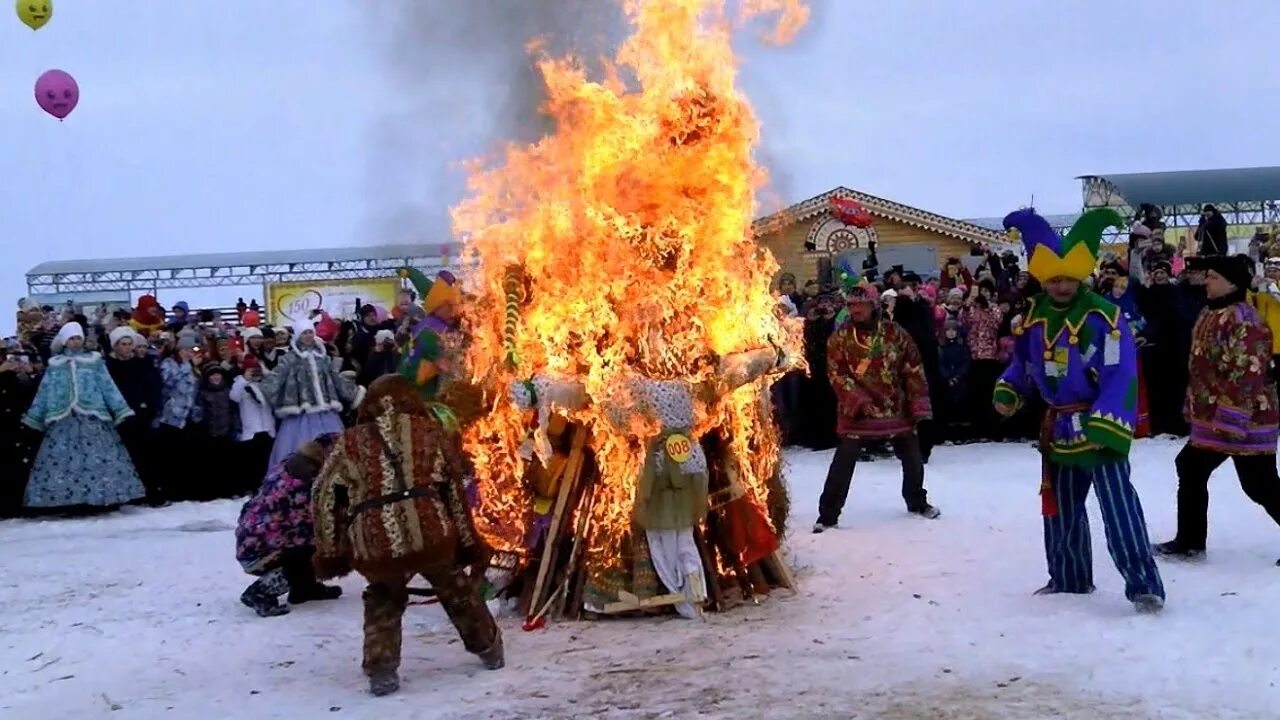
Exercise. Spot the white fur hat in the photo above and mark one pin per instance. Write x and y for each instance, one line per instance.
(250, 332)
(120, 333)
(68, 331)
(382, 336)
(301, 325)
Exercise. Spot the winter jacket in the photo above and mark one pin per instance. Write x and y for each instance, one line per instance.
(305, 382)
(954, 361)
(255, 413)
(1231, 401)
(180, 386)
(982, 326)
(76, 382)
(378, 364)
(219, 415)
(1268, 307)
(1211, 235)
(879, 380)
(139, 383)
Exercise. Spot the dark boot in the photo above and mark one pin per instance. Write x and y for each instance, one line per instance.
(383, 682)
(303, 586)
(1175, 550)
(263, 603)
(1051, 590)
(493, 657)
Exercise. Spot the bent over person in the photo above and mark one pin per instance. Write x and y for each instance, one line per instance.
(879, 382)
(390, 504)
(1076, 350)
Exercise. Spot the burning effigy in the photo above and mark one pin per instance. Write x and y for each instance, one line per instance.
(624, 331)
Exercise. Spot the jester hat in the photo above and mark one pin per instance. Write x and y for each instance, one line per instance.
(435, 294)
(853, 283)
(1050, 255)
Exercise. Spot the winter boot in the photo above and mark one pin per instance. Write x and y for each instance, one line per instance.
(1148, 604)
(1051, 590)
(821, 527)
(1175, 550)
(925, 511)
(263, 603)
(493, 657)
(383, 682)
(315, 591)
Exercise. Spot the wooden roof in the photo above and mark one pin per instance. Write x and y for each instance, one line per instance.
(879, 207)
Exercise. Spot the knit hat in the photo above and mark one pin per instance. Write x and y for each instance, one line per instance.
(1140, 230)
(187, 340)
(250, 332)
(1235, 269)
(955, 294)
(383, 336)
(889, 294)
(65, 333)
(120, 333)
(182, 305)
(250, 362)
(301, 325)
(213, 369)
(1272, 262)
(1159, 265)
(1050, 255)
(251, 319)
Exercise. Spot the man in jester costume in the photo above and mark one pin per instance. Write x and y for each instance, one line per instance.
(431, 348)
(1076, 350)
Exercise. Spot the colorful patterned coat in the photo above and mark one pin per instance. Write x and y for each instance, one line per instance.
(277, 518)
(1084, 364)
(76, 382)
(878, 379)
(1231, 401)
(390, 500)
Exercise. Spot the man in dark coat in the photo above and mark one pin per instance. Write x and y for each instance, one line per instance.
(915, 314)
(1211, 233)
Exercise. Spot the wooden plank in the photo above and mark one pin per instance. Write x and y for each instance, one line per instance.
(778, 566)
(562, 499)
(628, 602)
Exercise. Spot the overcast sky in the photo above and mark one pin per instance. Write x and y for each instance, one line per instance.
(210, 125)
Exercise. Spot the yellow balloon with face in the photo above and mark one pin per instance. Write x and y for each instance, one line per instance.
(34, 13)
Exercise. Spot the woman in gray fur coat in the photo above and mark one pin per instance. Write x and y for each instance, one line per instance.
(307, 393)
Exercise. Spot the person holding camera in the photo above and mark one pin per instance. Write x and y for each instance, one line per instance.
(19, 377)
(383, 358)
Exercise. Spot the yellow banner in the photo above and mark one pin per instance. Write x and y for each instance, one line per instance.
(290, 301)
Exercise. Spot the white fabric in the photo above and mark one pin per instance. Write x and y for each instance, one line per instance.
(121, 333)
(250, 333)
(68, 331)
(255, 416)
(677, 561)
(383, 336)
(302, 325)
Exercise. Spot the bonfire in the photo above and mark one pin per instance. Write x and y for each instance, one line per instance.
(622, 317)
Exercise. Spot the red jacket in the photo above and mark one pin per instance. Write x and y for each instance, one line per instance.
(878, 379)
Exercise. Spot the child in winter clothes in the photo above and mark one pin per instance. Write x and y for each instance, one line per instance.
(221, 423)
(257, 422)
(275, 535)
(954, 360)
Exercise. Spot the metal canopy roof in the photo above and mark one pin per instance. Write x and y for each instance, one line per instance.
(148, 274)
(1189, 187)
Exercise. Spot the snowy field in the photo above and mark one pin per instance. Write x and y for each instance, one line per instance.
(136, 615)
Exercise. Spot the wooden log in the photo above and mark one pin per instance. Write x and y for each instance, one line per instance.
(777, 566)
(586, 502)
(552, 541)
(714, 593)
(628, 602)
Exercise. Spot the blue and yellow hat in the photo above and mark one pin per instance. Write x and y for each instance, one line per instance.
(1049, 255)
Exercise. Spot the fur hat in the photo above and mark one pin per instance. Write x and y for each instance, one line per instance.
(383, 336)
(187, 339)
(120, 333)
(1236, 269)
(392, 393)
(301, 325)
(66, 333)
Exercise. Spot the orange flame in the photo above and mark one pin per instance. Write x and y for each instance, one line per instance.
(633, 224)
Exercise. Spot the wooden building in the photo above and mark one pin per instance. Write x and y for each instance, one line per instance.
(803, 236)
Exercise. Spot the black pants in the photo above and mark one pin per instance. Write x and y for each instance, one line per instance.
(1258, 478)
(836, 490)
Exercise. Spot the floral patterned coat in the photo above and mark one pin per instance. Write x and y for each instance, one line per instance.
(983, 325)
(274, 520)
(879, 381)
(1231, 401)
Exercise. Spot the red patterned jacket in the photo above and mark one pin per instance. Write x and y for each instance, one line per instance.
(878, 379)
(1231, 401)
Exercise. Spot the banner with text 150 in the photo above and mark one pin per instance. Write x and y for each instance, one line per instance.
(291, 301)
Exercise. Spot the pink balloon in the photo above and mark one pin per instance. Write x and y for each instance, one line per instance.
(57, 93)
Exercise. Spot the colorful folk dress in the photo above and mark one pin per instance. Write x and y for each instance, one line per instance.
(1231, 402)
(879, 380)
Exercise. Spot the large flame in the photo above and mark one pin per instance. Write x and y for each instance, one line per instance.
(632, 223)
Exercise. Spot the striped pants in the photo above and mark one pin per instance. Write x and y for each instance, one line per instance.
(1067, 544)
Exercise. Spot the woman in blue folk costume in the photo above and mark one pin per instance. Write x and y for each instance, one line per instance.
(1077, 351)
(82, 461)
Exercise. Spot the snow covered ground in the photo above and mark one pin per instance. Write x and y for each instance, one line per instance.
(135, 615)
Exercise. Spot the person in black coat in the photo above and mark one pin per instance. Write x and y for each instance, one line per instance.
(815, 428)
(363, 341)
(1211, 233)
(139, 382)
(915, 314)
(383, 360)
(18, 443)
